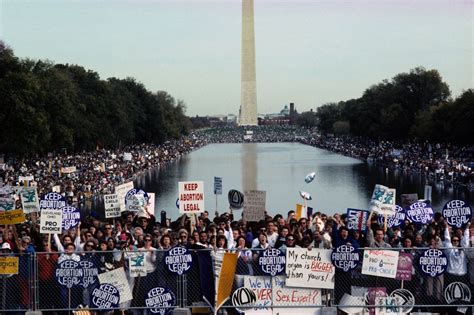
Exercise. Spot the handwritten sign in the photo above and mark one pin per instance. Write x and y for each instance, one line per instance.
(433, 262)
(51, 221)
(254, 205)
(357, 219)
(457, 213)
(272, 261)
(291, 296)
(191, 197)
(345, 257)
(118, 279)
(178, 260)
(160, 300)
(111, 206)
(380, 263)
(262, 287)
(420, 212)
(309, 269)
(105, 297)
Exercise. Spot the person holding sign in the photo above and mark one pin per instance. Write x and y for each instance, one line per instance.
(457, 260)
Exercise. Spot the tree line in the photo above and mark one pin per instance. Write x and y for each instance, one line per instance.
(48, 107)
(416, 104)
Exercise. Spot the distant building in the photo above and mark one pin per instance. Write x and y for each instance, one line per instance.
(286, 116)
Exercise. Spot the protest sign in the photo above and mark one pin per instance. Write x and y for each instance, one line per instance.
(404, 267)
(302, 300)
(29, 199)
(236, 199)
(352, 304)
(393, 220)
(52, 201)
(458, 293)
(191, 197)
(22, 179)
(357, 219)
(68, 170)
(160, 300)
(137, 264)
(56, 189)
(262, 287)
(457, 213)
(388, 203)
(111, 206)
(272, 261)
(433, 262)
(345, 257)
(217, 185)
(105, 297)
(178, 260)
(71, 273)
(377, 199)
(372, 294)
(150, 207)
(127, 156)
(12, 217)
(309, 269)
(8, 265)
(136, 200)
(118, 279)
(380, 263)
(243, 297)
(420, 212)
(121, 191)
(71, 217)
(407, 200)
(254, 205)
(386, 306)
(7, 204)
(405, 300)
(51, 221)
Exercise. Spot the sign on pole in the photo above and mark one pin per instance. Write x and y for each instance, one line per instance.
(357, 219)
(112, 206)
(29, 199)
(121, 191)
(51, 221)
(254, 205)
(191, 197)
(381, 263)
(217, 185)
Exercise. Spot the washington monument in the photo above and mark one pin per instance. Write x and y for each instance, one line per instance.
(248, 99)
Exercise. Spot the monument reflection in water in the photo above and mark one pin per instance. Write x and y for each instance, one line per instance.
(279, 169)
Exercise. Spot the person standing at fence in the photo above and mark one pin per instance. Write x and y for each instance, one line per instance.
(434, 285)
(454, 250)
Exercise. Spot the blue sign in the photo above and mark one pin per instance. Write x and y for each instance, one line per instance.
(160, 300)
(71, 217)
(345, 257)
(71, 273)
(395, 220)
(178, 260)
(52, 201)
(272, 261)
(105, 297)
(433, 262)
(420, 212)
(457, 213)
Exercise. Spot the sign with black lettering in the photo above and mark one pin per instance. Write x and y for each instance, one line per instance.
(191, 197)
(51, 221)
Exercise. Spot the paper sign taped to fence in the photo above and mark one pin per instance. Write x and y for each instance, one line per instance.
(51, 221)
(292, 296)
(191, 197)
(111, 206)
(118, 279)
(262, 287)
(8, 265)
(309, 269)
(380, 263)
(254, 205)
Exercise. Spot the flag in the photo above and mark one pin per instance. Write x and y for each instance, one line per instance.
(206, 276)
(226, 278)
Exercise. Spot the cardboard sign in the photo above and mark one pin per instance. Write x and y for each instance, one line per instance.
(262, 287)
(191, 197)
(118, 279)
(111, 206)
(309, 269)
(29, 199)
(380, 263)
(254, 205)
(121, 191)
(12, 217)
(357, 219)
(8, 265)
(51, 221)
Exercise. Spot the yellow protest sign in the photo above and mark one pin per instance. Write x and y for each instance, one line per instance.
(8, 265)
(12, 217)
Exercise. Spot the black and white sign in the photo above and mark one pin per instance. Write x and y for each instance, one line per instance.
(160, 300)
(345, 257)
(244, 297)
(105, 297)
(457, 293)
(111, 206)
(236, 199)
(405, 300)
(71, 273)
(457, 213)
(51, 221)
(178, 260)
(433, 262)
(420, 212)
(272, 261)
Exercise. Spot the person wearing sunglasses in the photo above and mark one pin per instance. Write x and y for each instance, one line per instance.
(455, 251)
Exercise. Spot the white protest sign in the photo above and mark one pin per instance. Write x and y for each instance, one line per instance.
(150, 207)
(118, 279)
(309, 269)
(137, 264)
(121, 191)
(56, 189)
(380, 263)
(291, 296)
(377, 199)
(349, 303)
(127, 156)
(191, 197)
(112, 206)
(254, 205)
(29, 199)
(25, 178)
(262, 286)
(68, 169)
(51, 221)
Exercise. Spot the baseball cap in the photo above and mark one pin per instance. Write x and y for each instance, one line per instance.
(6, 246)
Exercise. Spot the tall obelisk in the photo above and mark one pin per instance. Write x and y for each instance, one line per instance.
(248, 98)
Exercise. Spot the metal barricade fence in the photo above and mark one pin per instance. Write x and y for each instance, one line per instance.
(61, 282)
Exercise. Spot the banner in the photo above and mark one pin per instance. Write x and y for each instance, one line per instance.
(254, 205)
(191, 197)
(309, 269)
(357, 219)
(226, 278)
(121, 191)
(51, 221)
(12, 217)
(29, 199)
(380, 263)
(111, 206)
(118, 279)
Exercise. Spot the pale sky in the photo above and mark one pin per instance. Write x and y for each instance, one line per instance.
(307, 52)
